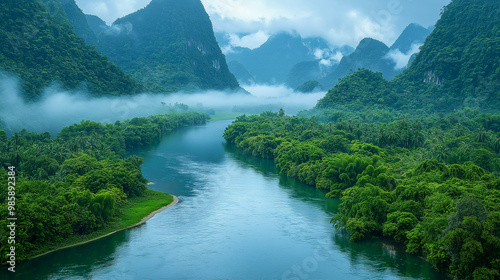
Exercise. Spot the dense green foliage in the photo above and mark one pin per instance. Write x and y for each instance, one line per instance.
(41, 49)
(168, 46)
(78, 182)
(457, 67)
(431, 184)
(67, 11)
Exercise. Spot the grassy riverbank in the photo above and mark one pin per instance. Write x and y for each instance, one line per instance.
(130, 215)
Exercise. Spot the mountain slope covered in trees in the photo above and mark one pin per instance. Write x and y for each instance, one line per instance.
(168, 46)
(457, 67)
(69, 12)
(41, 49)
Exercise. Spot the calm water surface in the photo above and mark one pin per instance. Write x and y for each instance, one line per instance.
(237, 219)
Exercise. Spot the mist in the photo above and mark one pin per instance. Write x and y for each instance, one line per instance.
(57, 108)
(401, 59)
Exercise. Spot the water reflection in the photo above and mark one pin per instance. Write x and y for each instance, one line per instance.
(80, 260)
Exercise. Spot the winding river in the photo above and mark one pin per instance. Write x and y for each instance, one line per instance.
(237, 218)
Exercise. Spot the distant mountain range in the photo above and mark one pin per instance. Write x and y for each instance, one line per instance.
(292, 60)
(272, 62)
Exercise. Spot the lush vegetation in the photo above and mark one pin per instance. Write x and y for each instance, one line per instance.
(169, 46)
(41, 48)
(67, 11)
(430, 183)
(80, 182)
(456, 68)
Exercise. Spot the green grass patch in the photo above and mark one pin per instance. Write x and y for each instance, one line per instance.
(139, 207)
(130, 214)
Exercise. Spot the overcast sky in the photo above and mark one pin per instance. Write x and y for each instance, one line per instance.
(340, 22)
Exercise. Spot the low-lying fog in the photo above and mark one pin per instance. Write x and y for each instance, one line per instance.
(57, 108)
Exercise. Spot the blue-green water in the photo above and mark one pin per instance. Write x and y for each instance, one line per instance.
(237, 219)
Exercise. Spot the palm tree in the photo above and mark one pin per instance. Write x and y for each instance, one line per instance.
(481, 135)
(440, 153)
(459, 130)
(495, 142)
(62, 153)
(17, 155)
(393, 137)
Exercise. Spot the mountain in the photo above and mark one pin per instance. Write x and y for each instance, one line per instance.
(414, 34)
(41, 48)
(169, 46)
(241, 72)
(463, 52)
(306, 71)
(271, 62)
(68, 10)
(96, 24)
(457, 67)
(317, 69)
(370, 54)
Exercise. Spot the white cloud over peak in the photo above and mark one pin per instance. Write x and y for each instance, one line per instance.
(401, 59)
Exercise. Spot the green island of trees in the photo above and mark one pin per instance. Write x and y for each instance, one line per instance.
(79, 185)
(431, 183)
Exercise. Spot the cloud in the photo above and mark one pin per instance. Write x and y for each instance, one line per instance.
(110, 10)
(58, 108)
(340, 22)
(328, 57)
(251, 41)
(401, 59)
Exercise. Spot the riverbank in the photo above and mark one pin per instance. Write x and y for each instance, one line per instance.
(135, 213)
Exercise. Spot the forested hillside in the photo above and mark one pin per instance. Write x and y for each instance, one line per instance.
(68, 12)
(169, 46)
(77, 183)
(41, 49)
(458, 67)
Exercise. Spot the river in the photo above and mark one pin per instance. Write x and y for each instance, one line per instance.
(237, 218)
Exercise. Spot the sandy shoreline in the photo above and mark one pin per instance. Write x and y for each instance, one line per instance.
(143, 221)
